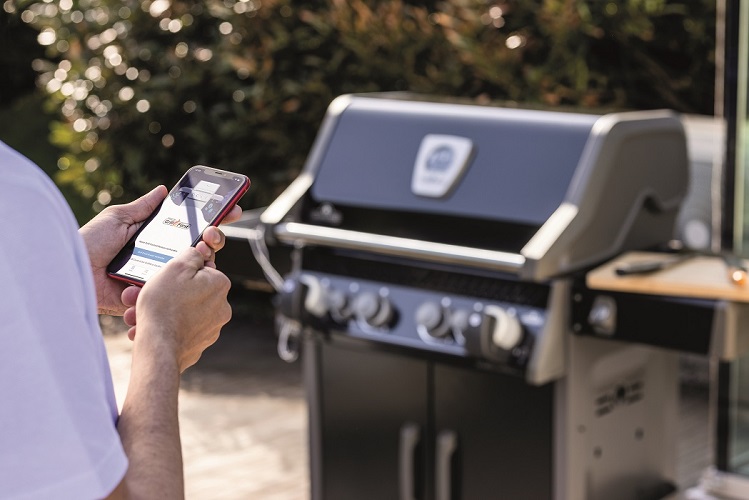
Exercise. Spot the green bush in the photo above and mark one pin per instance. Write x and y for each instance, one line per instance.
(147, 88)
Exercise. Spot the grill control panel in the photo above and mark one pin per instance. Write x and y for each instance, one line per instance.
(500, 332)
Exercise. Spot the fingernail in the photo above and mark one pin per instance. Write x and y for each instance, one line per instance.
(216, 237)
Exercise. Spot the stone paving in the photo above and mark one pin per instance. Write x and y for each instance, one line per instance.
(242, 414)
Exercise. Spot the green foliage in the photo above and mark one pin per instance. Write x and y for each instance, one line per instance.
(146, 89)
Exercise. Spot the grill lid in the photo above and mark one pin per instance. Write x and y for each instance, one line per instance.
(582, 187)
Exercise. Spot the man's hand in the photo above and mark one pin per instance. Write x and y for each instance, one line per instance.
(213, 241)
(181, 310)
(129, 296)
(108, 232)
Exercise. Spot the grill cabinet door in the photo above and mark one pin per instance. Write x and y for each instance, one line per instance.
(369, 403)
(502, 428)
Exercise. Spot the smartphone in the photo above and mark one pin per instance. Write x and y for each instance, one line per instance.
(200, 199)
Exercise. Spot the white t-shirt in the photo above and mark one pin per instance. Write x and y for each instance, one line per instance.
(58, 436)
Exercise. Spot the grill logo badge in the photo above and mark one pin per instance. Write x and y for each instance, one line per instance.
(440, 163)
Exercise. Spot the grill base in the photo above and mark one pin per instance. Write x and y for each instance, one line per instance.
(598, 433)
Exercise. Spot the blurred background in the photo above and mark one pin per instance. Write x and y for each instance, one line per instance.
(111, 97)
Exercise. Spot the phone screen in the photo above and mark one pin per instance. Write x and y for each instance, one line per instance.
(200, 199)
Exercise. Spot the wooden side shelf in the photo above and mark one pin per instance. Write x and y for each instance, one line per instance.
(699, 277)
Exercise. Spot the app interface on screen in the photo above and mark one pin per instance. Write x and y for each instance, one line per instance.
(185, 213)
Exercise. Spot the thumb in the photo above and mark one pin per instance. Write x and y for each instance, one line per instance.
(141, 208)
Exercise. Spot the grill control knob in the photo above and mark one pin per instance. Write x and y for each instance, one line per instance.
(338, 305)
(506, 330)
(373, 309)
(433, 318)
(314, 299)
(461, 321)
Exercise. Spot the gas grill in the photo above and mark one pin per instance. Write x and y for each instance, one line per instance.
(437, 248)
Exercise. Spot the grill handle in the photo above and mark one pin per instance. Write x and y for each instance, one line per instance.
(297, 233)
(409, 441)
(447, 444)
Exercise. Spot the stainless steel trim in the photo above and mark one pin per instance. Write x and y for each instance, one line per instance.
(296, 233)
